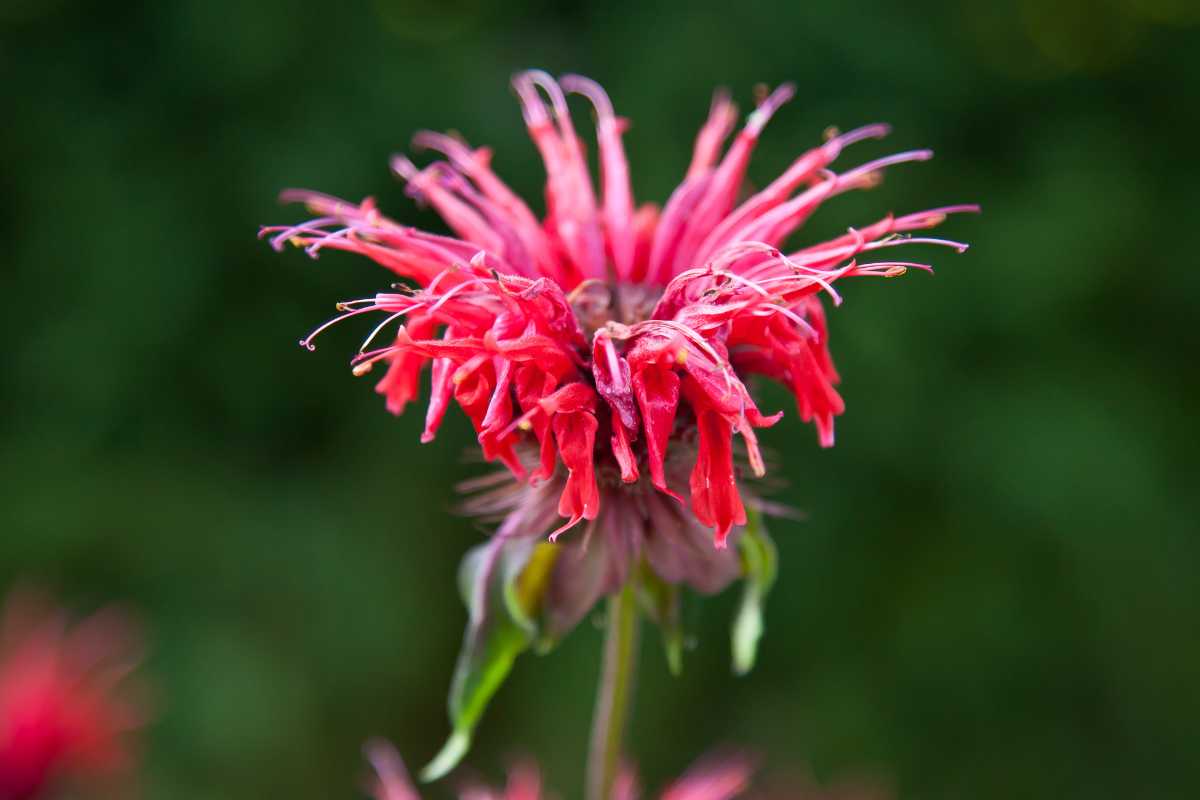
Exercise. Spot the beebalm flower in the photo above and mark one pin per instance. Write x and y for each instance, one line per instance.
(602, 354)
(62, 714)
(713, 778)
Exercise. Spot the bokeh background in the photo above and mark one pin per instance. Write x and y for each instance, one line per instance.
(995, 591)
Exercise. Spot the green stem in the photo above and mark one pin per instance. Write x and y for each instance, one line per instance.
(614, 694)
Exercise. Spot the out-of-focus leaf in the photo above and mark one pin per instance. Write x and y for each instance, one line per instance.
(503, 584)
(759, 565)
(662, 601)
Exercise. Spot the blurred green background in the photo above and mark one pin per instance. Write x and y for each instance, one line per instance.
(995, 592)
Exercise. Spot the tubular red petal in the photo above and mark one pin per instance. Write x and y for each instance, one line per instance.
(726, 180)
(657, 392)
(715, 498)
(802, 169)
(570, 199)
(622, 449)
(672, 225)
(617, 208)
(575, 434)
(722, 116)
(461, 217)
(611, 373)
(532, 385)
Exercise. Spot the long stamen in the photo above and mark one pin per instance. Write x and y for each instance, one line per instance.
(307, 341)
(802, 323)
(862, 172)
(367, 342)
(934, 216)
(876, 131)
(312, 226)
(960, 247)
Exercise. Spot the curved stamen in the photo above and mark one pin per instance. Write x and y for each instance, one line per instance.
(862, 172)
(800, 322)
(307, 341)
(286, 233)
(934, 216)
(961, 247)
(878, 130)
(371, 337)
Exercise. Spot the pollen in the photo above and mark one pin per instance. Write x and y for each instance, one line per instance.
(362, 369)
(681, 356)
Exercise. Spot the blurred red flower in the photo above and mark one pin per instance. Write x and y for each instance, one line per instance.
(63, 709)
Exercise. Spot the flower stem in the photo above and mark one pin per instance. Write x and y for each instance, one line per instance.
(614, 693)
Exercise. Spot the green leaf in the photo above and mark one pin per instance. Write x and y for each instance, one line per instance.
(759, 566)
(503, 583)
(662, 602)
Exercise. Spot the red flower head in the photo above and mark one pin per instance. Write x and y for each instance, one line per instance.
(605, 335)
(602, 352)
(60, 715)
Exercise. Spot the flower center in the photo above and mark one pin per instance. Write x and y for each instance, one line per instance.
(597, 303)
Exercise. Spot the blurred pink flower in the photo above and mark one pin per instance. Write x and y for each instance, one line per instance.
(62, 715)
(713, 778)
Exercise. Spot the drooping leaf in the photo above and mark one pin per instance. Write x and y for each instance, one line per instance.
(759, 566)
(503, 583)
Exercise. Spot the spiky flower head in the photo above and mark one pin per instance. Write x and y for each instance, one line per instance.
(602, 353)
(602, 335)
